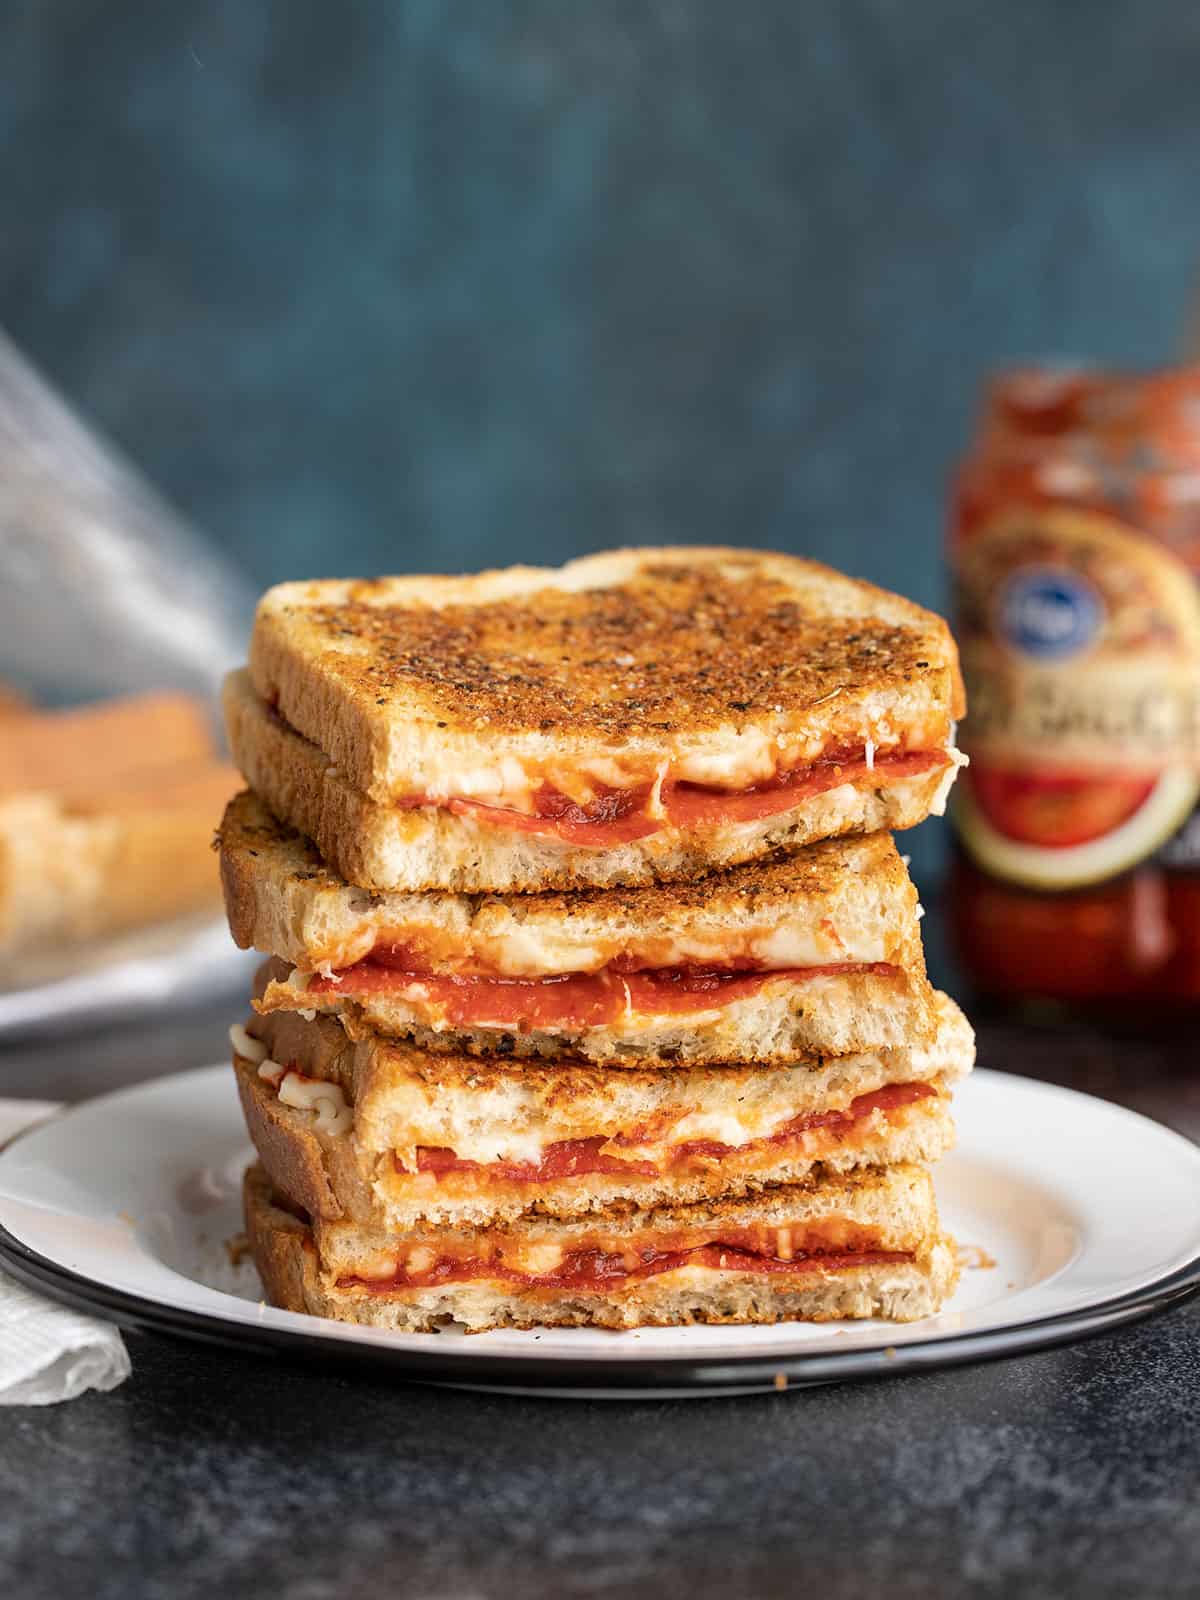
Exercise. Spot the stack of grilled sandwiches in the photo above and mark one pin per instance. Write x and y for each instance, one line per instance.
(595, 990)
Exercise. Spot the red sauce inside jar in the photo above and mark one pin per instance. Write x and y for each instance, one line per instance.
(1075, 542)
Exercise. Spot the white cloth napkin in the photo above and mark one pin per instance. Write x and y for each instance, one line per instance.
(48, 1353)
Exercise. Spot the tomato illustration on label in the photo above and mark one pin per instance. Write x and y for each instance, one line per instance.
(1081, 647)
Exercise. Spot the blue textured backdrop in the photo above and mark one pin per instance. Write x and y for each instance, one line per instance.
(432, 285)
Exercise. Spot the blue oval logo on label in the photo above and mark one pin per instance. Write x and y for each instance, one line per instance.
(1048, 612)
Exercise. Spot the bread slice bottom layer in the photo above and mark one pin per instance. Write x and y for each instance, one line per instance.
(304, 1271)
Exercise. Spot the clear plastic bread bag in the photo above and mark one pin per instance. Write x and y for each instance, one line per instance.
(104, 591)
(103, 588)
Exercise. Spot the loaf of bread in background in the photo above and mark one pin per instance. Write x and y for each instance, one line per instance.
(105, 817)
(13, 703)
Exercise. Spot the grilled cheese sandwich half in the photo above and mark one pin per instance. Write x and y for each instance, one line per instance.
(818, 952)
(630, 717)
(862, 1245)
(388, 1134)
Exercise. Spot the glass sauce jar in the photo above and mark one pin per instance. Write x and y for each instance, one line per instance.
(1075, 546)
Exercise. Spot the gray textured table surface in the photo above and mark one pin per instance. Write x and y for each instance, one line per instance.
(1072, 1472)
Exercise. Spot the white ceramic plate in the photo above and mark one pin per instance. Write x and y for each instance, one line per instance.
(138, 974)
(1090, 1213)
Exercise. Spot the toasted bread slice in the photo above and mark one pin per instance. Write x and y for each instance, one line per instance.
(641, 715)
(407, 849)
(841, 900)
(867, 1245)
(85, 755)
(105, 818)
(763, 1018)
(770, 961)
(707, 658)
(76, 869)
(404, 1136)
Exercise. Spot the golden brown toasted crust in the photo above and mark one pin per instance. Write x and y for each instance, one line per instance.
(840, 902)
(384, 848)
(379, 1060)
(287, 1147)
(281, 1244)
(403, 1098)
(818, 871)
(290, 1264)
(282, 899)
(370, 1067)
(620, 651)
(702, 645)
(334, 1178)
(902, 1292)
(894, 1206)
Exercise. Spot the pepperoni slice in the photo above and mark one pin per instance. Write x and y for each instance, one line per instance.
(573, 1000)
(618, 816)
(615, 816)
